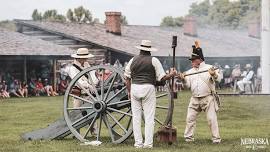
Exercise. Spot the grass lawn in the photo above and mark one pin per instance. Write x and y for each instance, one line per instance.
(239, 117)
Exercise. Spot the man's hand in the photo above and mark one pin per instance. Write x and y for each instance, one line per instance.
(91, 89)
(173, 72)
(212, 72)
(181, 76)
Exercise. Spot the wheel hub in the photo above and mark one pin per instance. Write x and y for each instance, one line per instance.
(99, 106)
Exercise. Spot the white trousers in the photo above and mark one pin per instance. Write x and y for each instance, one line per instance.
(197, 105)
(241, 84)
(143, 100)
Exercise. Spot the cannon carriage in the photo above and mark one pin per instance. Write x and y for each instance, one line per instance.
(105, 106)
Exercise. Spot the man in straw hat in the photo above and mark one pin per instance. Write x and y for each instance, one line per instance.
(80, 63)
(248, 75)
(202, 87)
(141, 74)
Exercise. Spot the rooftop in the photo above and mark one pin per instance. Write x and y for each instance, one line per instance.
(214, 42)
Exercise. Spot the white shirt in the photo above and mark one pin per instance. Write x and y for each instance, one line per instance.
(200, 84)
(160, 73)
(83, 81)
(247, 75)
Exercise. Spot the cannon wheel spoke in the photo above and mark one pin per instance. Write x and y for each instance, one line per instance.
(123, 115)
(158, 121)
(119, 111)
(82, 118)
(102, 84)
(80, 98)
(93, 84)
(80, 108)
(117, 122)
(120, 102)
(162, 107)
(90, 126)
(110, 87)
(123, 89)
(106, 121)
(99, 127)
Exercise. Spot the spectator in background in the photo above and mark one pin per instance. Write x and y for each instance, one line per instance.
(248, 76)
(49, 89)
(62, 86)
(227, 76)
(32, 86)
(64, 71)
(3, 90)
(15, 89)
(236, 72)
(24, 89)
(219, 84)
(40, 90)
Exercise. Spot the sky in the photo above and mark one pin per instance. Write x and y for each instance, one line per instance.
(138, 12)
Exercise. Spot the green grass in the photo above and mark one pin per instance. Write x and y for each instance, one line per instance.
(239, 117)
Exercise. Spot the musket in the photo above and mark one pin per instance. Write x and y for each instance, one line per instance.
(194, 73)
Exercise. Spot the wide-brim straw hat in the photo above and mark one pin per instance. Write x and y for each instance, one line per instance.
(146, 46)
(82, 53)
(248, 66)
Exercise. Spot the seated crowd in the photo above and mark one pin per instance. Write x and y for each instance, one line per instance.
(35, 87)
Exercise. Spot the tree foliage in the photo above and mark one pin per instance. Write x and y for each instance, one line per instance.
(170, 21)
(221, 13)
(52, 15)
(226, 13)
(124, 20)
(36, 16)
(79, 15)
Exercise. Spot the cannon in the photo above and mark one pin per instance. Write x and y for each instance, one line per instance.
(105, 106)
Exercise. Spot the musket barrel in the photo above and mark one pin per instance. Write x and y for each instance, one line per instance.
(197, 72)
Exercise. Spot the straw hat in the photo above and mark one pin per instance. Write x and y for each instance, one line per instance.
(82, 53)
(146, 46)
(248, 66)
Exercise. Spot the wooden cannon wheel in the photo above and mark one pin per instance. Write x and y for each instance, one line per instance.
(106, 106)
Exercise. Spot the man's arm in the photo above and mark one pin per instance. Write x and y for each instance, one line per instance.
(128, 84)
(160, 73)
(127, 75)
(169, 75)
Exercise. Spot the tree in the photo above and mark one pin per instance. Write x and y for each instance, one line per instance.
(226, 13)
(179, 21)
(49, 14)
(36, 16)
(82, 15)
(167, 21)
(123, 20)
(70, 15)
(52, 15)
(170, 21)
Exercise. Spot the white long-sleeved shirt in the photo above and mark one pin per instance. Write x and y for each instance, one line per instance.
(160, 73)
(247, 75)
(201, 84)
(73, 71)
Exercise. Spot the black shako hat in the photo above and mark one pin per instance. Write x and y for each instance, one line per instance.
(196, 52)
